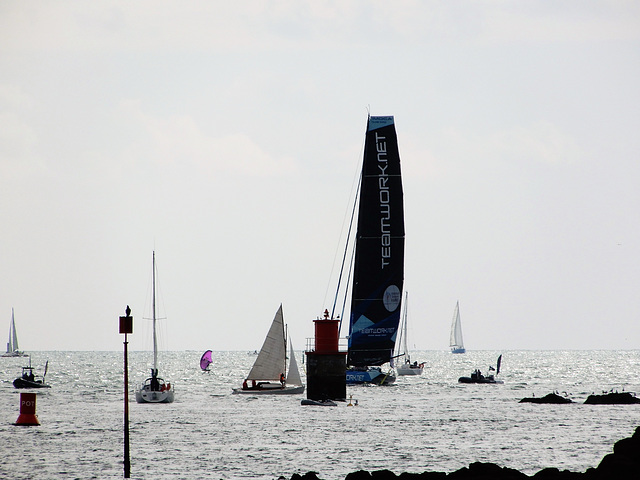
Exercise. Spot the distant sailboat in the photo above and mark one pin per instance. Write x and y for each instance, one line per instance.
(455, 342)
(269, 374)
(378, 269)
(154, 389)
(12, 345)
(407, 368)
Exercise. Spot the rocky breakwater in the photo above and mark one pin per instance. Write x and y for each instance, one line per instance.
(622, 464)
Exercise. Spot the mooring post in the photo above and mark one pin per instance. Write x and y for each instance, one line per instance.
(126, 327)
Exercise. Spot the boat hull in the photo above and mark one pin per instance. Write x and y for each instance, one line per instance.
(23, 383)
(372, 375)
(319, 403)
(458, 350)
(479, 380)
(150, 396)
(271, 389)
(15, 354)
(409, 370)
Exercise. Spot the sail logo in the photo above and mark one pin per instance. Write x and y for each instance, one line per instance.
(391, 298)
(384, 198)
(378, 331)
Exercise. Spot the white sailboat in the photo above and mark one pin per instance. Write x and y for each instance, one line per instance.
(407, 368)
(12, 345)
(268, 374)
(455, 342)
(155, 389)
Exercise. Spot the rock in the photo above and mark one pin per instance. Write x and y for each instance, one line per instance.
(306, 476)
(553, 473)
(359, 475)
(624, 398)
(628, 447)
(549, 398)
(423, 476)
(383, 475)
(622, 464)
(486, 471)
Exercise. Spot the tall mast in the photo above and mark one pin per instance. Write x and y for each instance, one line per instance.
(284, 331)
(404, 321)
(155, 340)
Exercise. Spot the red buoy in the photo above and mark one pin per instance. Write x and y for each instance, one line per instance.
(27, 410)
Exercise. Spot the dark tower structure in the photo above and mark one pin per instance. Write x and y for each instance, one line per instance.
(326, 365)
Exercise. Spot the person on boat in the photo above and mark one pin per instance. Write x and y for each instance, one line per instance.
(244, 385)
(282, 380)
(155, 385)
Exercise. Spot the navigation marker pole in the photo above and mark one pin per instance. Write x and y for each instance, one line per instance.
(126, 326)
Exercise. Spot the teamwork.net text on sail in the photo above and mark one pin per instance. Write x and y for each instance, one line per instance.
(385, 206)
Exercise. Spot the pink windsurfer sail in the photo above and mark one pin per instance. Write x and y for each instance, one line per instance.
(206, 360)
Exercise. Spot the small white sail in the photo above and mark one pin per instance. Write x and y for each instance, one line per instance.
(14, 335)
(270, 362)
(293, 375)
(407, 368)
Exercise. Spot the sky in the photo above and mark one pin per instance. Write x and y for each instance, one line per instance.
(228, 137)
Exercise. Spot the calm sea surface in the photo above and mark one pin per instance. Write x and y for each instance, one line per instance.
(420, 423)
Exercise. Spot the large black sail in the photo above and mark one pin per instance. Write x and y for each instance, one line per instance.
(379, 260)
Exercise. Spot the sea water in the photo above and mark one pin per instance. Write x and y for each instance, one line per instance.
(422, 423)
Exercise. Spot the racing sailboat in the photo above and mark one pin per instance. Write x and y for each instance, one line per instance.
(155, 389)
(378, 269)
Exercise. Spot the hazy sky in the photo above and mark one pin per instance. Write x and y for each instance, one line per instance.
(228, 136)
